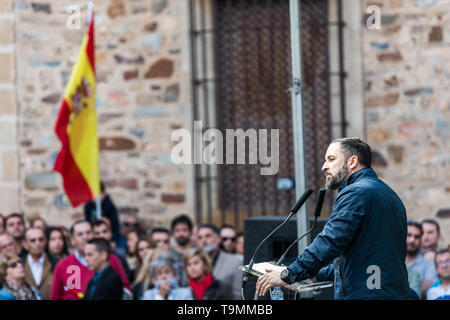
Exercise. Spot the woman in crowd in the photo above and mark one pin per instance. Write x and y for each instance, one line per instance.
(132, 239)
(198, 267)
(57, 244)
(12, 278)
(143, 246)
(165, 282)
(143, 278)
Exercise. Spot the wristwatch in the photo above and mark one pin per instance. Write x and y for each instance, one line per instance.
(284, 275)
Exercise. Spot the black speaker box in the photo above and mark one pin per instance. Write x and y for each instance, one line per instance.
(257, 228)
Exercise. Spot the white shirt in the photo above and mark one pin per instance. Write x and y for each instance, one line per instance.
(36, 268)
(438, 291)
(80, 258)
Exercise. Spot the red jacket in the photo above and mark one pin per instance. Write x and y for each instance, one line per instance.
(71, 277)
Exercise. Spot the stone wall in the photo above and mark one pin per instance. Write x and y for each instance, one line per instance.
(407, 103)
(141, 98)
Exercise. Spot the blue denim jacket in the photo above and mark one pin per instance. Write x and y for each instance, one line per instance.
(362, 247)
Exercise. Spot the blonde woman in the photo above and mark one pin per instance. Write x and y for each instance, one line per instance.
(198, 268)
(143, 279)
(12, 278)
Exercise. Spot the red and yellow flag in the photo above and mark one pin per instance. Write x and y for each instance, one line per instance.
(76, 127)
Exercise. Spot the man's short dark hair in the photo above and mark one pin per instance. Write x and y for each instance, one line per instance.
(12, 215)
(357, 147)
(72, 227)
(181, 219)
(441, 251)
(34, 228)
(160, 229)
(209, 226)
(101, 245)
(433, 222)
(415, 224)
(100, 222)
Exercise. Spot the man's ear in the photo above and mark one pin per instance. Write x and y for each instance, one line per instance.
(352, 162)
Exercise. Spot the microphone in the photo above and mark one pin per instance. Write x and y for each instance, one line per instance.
(294, 210)
(319, 204)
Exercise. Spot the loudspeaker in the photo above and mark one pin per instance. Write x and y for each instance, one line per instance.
(257, 228)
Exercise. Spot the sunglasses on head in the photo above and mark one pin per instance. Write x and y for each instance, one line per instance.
(14, 264)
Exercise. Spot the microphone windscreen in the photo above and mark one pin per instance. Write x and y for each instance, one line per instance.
(302, 200)
(319, 203)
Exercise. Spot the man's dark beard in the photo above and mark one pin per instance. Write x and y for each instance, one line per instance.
(412, 253)
(334, 182)
(182, 241)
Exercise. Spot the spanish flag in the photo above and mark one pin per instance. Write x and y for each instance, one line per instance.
(76, 127)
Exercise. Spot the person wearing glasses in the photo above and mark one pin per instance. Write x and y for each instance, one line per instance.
(7, 244)
(441, 289)
(416, 261)
(161, 237)
(228, 238)
(38, 264)
(12, 280)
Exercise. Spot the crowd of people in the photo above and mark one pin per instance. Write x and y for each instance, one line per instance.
(107, 260)
(102, 259)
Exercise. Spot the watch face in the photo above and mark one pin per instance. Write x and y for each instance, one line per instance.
(284, 274)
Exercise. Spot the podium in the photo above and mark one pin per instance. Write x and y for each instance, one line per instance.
(307, 285)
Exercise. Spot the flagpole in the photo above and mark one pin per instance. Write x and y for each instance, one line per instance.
(90, 11)
(98, 206)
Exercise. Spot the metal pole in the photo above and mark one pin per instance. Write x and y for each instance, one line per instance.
(298, 119)
(98, 207)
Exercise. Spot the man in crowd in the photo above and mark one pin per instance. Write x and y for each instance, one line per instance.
(15, 226)
(181, 228)
(430, 238)
(228, 238)
(109, 211)
(130, 223)
(416, 261)
(38, 264)
(103, 230)
(106, 283)
(71, 275)
(225, 265)
(161, 237)
(7, 244)
(364, 237)
(441, 289)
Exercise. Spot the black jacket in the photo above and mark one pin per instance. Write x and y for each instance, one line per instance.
(212, 293)
(109, 287)
(108, 210)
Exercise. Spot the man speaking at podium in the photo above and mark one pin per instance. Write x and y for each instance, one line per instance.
(362, 247)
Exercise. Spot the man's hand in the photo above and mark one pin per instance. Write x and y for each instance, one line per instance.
(164, 288)
(267, 281)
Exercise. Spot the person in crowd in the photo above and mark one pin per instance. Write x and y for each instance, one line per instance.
(66, 233)
(39, 265)
(414, 283)
(198, 268)
(7, 244)
(181, 228)
(165, 283)
(143, 246)
(415, 260)
(143, 279)
(228, 238)
(2, 221)
(161, 237)
(15, 225)
(12, 277)
(38, 222)
(109, 211)
(103, 230)
(240, 243)
(71, 274)
(106, 284)
(57, 243)
(440, 290)
(132, 259)
(131, 223)
(225, 265)
(430, 238)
